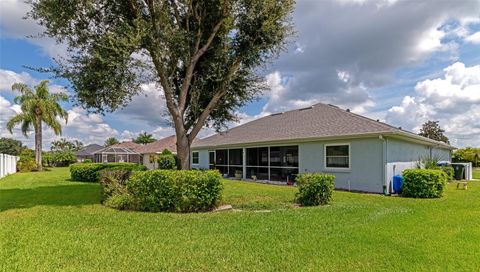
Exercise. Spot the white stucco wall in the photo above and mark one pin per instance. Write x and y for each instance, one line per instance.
(368, 158)
(202, 159)
(366, 162)
(403, 151)
(146, 161)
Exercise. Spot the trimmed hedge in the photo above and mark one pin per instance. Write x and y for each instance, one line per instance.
(314, 189)
(175, 190)
(424, 183)
(90, 172)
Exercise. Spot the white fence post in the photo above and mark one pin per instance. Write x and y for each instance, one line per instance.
(8, 164)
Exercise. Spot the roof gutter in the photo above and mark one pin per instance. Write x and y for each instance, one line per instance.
(421, 139)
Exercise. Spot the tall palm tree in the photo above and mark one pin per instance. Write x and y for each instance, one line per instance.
(144, 138)
(38, 107)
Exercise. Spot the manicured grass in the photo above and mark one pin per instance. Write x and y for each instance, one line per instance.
(48, 223)
(476, 173)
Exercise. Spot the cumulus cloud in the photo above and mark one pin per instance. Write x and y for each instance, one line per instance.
(8, 78)
(453, 99)
(473, 38)
(13, 25)
(346, 48)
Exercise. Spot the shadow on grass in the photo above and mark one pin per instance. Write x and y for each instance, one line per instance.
(65, 195)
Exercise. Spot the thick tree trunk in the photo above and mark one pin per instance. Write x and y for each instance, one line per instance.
(183, 150)
(38, 144)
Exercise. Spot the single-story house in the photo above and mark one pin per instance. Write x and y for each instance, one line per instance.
(121, 152)
(87, 152)
(321, 138)
(151, 150)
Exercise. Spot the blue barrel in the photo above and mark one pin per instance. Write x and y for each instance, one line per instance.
(397, 184)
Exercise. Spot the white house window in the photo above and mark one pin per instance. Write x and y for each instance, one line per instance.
(195, 157)
(337, 156)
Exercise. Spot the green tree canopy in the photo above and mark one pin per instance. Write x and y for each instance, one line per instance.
(11, 146)
(111, 141)
(65, 145)
(205, 56)
(38, 106)
(467, 154)
(432, 130)
(144, 138)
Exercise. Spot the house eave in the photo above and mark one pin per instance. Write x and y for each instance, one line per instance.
(394, 134)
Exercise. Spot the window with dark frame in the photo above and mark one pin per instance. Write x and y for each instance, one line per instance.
(195, 157)
(337, 156)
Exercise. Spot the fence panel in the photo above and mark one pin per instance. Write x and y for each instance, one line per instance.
(8, 164)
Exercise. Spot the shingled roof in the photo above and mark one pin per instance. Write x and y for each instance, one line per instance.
(131, 146)
(317, 121)
(88, 150)
(158, 146)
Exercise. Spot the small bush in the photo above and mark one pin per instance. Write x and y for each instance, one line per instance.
(27, 165)
(448, 169)
(119, 202)
(113, 182)
(87, 161)
(166, 162)
(314, 189)
(175, 190)
(62, 158)
(90, 172)
(424, 183)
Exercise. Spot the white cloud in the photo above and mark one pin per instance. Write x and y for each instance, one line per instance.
(473, 38)
(8, 78)
(351, 47)
(454, 100)
(13, 24)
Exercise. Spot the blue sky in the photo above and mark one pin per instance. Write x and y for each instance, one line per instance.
(397, 61)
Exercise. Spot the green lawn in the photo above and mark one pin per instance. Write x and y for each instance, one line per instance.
(476, 173)
(48, 223)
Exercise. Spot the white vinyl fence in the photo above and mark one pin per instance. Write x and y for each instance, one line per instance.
(396, 168)
(8, 164)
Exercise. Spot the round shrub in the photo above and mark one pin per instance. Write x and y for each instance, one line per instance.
(90, 172)
(87, 161)
(27, 165)
(175, 190)
(166, 162)
(424, 183)
(448, 169)
(314, 189)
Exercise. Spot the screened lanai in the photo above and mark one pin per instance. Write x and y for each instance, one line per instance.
(117, 154)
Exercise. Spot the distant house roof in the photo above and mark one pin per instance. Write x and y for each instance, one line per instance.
(88, 150)
(158, 146)
(123, 147)
(317, 121)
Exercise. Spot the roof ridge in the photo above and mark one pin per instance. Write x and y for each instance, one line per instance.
(366, 118)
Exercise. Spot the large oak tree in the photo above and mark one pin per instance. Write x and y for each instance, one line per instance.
(205, 55)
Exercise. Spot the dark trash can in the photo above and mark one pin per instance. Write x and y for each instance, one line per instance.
(459, 170)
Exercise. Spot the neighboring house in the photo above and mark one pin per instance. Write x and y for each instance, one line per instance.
(121, 152)
(87, 152)
(321, 138)
(151, 150)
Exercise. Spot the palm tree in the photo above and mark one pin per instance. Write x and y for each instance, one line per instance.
(111, 141)
(38, 107)
(144, 138)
